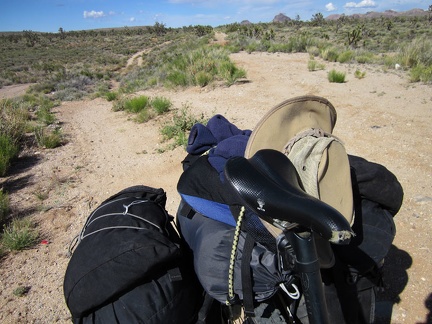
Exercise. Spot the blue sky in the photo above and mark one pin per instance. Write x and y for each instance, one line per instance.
(50, 15)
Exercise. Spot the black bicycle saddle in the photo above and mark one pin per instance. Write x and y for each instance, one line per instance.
(268, 184)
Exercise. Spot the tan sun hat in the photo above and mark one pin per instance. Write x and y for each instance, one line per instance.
(302, 129)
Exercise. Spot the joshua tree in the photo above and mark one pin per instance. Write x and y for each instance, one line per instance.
(62, 33)
(31, 38)
(430, 14)
(355, 36)
(340, 22)
(317, 19)
(159, 29)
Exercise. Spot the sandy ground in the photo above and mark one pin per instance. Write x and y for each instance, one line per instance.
(382, 118)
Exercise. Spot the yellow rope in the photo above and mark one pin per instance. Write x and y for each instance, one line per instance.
(233, 256)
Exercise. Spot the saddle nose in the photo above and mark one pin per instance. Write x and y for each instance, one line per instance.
(267, 183)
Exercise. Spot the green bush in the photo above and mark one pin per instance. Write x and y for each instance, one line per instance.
(161, 105)
(48, 138)
(300, 43)
(4, 206)
(230, 72)
(315, 66)
(345, 56)
(330, 54)
(203, 78)
(194, 66)
(359, 74)
(181, 123)
(19, 235)
(14, 116)
(418, 51)
(136, 104)
(421, 73)
(336, 77)
(111, 96)
(177, 79)
(8, 151)
(364, 58)
(144, 116)
(45, 115)
(313, 50)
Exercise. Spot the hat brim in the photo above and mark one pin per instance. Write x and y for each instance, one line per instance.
(289, 118)
(294, 116)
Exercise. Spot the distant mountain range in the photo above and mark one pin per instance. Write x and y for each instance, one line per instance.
(371, 14)
(387, 13)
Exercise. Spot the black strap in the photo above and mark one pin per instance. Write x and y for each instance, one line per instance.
(186, 210)
(205, 309)
(246, 276)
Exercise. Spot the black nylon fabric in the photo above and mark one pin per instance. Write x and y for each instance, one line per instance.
(211, 243)
(376, 183)
(157, 301)
(200, 179)
(128, 240)
(373, 224)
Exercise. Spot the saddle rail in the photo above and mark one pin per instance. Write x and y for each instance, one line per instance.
(267, 184)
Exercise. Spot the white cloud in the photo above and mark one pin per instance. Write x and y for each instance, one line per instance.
(93, 14)
(132, 19)
(361, 4)
(330, 7)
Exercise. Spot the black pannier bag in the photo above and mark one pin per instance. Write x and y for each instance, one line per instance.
(130, 266)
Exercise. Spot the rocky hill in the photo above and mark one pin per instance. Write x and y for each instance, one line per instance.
(280, 18)
(387, 13)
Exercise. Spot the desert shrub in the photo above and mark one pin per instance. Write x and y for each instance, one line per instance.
(336, 76)
(330, 54)
(136, 104)
(161, 105)
(111, 95)
(8, 151)
(4, 205)
(252, 47)
(47, 138)
(21, 291)
(45, 115)
(143, 107)
(345, 56)
(178, 64)
(315, 66)
(14, 116)
(421, 73)
(144, 116)
(72, 86)
(418, 51)
(389, 61)
(359, 74)
(202, 66)
(203, 78)
(44, 86)
(230, 72)
(364, 57)
(177, 78)
(181, 123)
(119, 104)
(300, 43)
(19, 235)
(313, 50)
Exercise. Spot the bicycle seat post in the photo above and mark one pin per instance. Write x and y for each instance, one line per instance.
(308, 267)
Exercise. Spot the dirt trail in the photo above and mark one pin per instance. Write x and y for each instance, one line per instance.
(14, 90)
(382, 118)
(137, 58)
